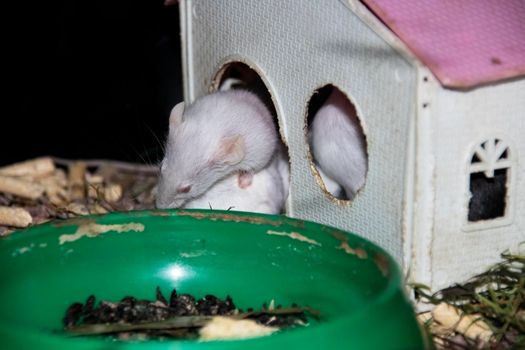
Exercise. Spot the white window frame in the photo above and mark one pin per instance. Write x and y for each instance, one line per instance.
(490, 161)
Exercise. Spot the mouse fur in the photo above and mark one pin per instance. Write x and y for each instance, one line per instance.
(218, 135)
(338, 143)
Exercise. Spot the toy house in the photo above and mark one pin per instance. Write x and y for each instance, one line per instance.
(440, 96)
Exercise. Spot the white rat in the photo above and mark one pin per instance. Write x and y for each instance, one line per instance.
(338, 143)
(219, 134)
(266, 191)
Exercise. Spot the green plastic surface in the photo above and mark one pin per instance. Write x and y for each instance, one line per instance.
(254, 258)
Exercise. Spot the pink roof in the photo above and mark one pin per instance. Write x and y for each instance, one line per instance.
(464, 42)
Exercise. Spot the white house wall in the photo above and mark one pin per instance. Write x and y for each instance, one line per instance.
(297, 47)
(460, 121)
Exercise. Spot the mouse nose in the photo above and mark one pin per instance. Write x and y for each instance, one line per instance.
(184, 189)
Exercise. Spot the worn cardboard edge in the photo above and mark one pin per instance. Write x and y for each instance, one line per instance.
(408, 220)
(366, 16)
(424, 190)
(185, 12)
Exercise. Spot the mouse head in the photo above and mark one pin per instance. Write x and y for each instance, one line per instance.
(196, 157)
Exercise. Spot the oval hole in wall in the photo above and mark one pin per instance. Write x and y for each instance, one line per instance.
(337, 143)
(239, 75)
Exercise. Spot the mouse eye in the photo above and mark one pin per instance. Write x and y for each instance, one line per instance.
(184, 189)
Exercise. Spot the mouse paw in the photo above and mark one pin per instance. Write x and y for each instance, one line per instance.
(245, 179)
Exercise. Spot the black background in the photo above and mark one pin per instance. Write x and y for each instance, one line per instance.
(89, 79)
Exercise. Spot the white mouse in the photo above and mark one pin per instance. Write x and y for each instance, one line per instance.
(218, 135)
(338, 143)
(283, 165)
(262, 192)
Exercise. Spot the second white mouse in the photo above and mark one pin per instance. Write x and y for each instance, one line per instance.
(338, 143)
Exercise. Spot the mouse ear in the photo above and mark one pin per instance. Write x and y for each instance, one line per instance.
(231, 150)
(176, 114)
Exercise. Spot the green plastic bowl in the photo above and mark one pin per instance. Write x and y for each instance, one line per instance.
(254, 258)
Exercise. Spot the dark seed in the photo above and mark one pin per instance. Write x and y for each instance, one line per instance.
(90, 302)
(173, 298)
(211, 298)
(128, 301)
(186, 305)
(73, 314)
(160, 297)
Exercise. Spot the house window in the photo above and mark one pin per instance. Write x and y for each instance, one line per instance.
(489, 184)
